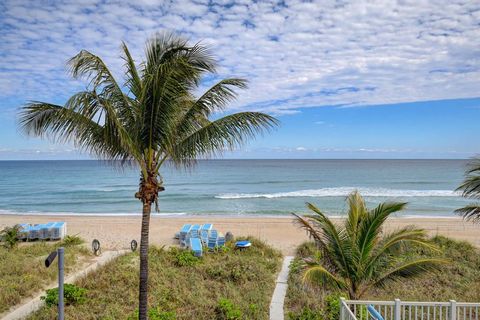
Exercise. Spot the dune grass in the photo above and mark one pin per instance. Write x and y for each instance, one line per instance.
(23, 273)
(459, 280)
(182, 287)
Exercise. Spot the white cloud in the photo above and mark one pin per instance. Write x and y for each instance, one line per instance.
(295, 55)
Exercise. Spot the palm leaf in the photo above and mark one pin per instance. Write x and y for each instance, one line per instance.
(317, 274)
(470, 212)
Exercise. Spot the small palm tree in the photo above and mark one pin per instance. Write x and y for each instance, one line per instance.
(357, 255)
(471, 189)
(153, 117)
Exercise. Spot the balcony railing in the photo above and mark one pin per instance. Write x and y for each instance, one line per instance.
(408, 310)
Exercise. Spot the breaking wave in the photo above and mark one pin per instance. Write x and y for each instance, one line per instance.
(342, 192)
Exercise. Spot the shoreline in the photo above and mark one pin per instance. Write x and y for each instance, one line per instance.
(205, 216)
(116, 232)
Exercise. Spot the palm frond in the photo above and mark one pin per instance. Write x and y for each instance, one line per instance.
(409, 269)
(391, 243)
(337, 241)
(134, 81)
(223, 134)
(356, 212)
(370, 227)
(318, 275)
(470, 212)
(65, 124)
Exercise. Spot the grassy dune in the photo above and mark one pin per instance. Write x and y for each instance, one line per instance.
(23, 273)
(181, 288)
(459, 280)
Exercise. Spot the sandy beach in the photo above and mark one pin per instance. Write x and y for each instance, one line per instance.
(116, 232)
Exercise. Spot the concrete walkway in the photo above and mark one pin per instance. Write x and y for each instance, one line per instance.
(278, 298)
(35, 304)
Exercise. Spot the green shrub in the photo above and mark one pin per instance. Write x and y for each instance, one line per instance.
(226, 310)
(69, 241)
(9, 235)
(72, 295)
(185, 258)
(156, 314)
(332, 306)
(305, 314)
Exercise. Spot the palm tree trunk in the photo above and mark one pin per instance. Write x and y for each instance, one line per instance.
(143, 293)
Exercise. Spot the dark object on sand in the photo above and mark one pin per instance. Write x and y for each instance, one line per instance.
(133, 245)
(228, 236)
(96, 247)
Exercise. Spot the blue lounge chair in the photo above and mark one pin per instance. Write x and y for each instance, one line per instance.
(221, 241)
(196, 247)
(212, 243)
(374, 313)
(58, 230)
(207, 226)
(204, 236)
(213, 233)
(45, 232)
(34, 232)
(185, 229)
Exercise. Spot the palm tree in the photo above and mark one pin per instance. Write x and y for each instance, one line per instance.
(471, 189)
(357, 255)
(153, 117)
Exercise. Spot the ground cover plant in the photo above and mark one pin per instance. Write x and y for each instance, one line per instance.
(458, 280)
(23, 273)
(227, 284)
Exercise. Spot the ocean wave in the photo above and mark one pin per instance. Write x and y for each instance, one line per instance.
(342, 192)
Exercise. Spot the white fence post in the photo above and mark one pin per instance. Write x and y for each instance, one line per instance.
(453, 310)
(342, 306)
(398, 310)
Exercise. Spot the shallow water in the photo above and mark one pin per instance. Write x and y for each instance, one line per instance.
(232, 186)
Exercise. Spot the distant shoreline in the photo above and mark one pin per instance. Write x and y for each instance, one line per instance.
(116, 232)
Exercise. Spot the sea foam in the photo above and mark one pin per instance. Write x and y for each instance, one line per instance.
(342, 192)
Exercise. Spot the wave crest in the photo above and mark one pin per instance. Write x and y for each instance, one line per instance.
(342, 192)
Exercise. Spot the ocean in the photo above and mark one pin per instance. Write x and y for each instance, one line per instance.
(232, 187)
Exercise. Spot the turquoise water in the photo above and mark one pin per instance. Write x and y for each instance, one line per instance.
(233, 187)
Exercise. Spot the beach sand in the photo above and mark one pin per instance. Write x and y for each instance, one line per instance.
(116, 232)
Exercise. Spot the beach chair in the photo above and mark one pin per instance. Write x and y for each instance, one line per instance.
(34, 232)
(58, 230)
(195, 228)
(212, 243)
(45, 230)
(184, 231)
(196, 247)
(204, 237)
(213, 233)
(221, 241)
(207, 227)
(374, 313)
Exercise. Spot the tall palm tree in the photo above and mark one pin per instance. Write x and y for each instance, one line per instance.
(153, 117)
(357, 255)
(471, 189)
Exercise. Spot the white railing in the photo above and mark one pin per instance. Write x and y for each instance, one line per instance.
(408, 310)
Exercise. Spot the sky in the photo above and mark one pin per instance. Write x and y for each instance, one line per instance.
(358, 79)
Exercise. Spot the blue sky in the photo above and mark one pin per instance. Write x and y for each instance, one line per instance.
(347, 79)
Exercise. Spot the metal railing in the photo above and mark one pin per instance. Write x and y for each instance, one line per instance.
(409, 310)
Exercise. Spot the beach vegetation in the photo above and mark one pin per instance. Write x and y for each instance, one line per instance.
(153, 118)
(458, 280)
(470, 189)
(9, 236)
(226, 310)
(72, 295)
(22, 273)
(188, 292)
(356, 255)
